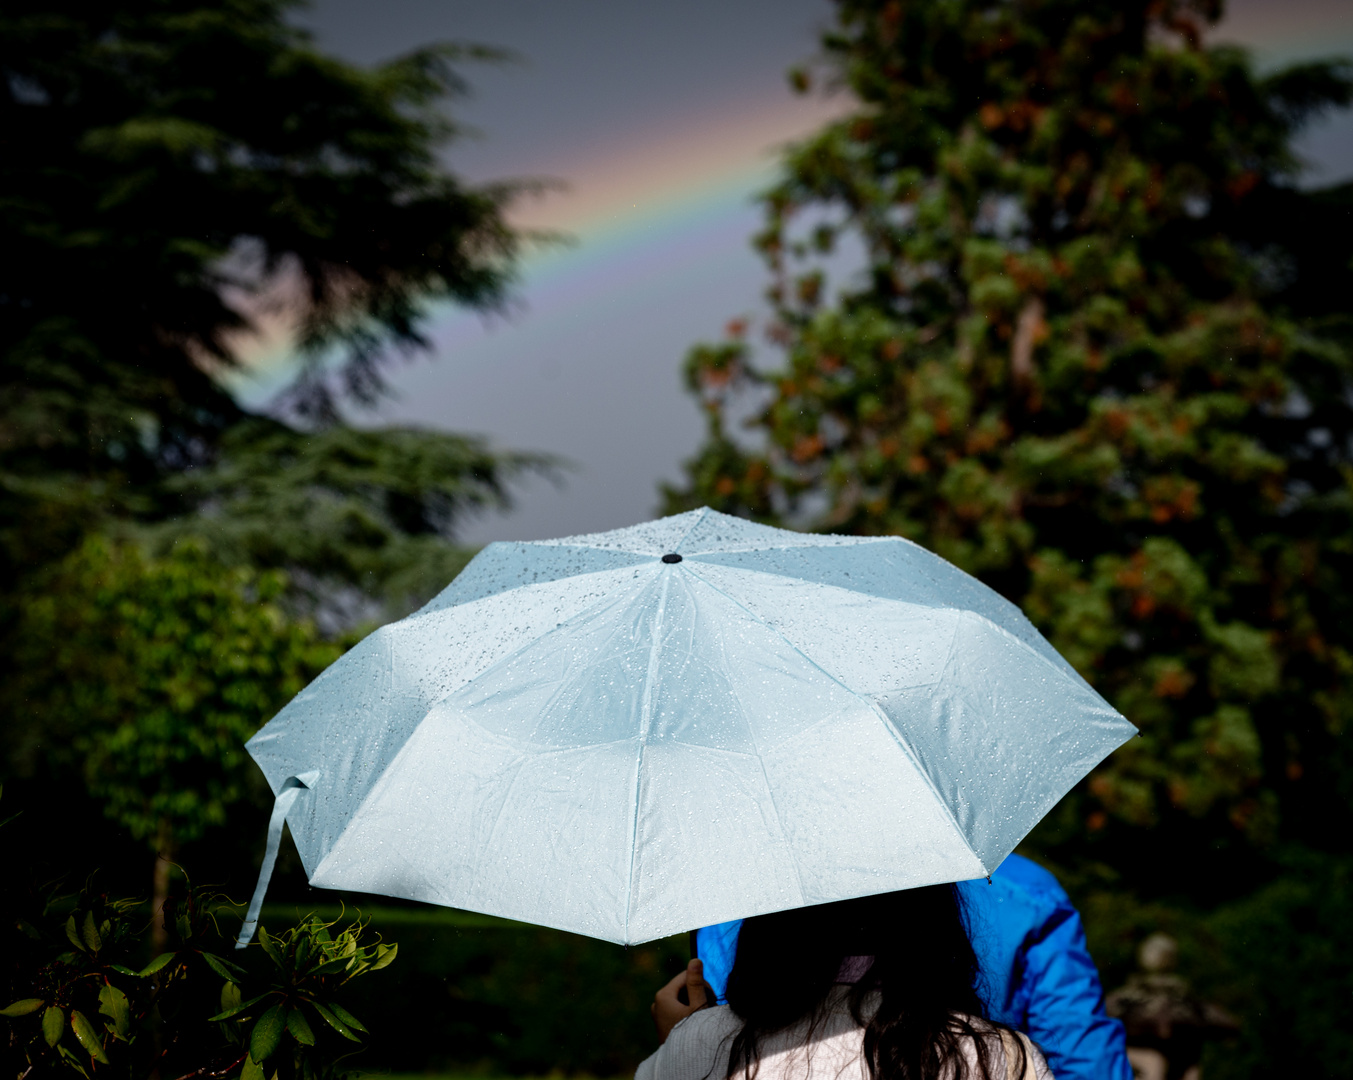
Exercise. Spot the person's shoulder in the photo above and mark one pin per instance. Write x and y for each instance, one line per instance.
(998, 1041)
(1001, 912)
(692, 1047)
(1042, 1070)
(704, 1031)
(1033, 1055)
(1027, 875)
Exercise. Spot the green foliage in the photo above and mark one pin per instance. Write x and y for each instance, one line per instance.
(348, 514)
(140, 679)
(1288, 947)
(1277, 957)
(177, 173)
(1101, 358)
(309, 966)
(86, 1004)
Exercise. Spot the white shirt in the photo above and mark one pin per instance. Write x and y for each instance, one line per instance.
(697, 1049)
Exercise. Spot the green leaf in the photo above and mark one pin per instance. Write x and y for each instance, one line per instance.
(299, 1027)
(88, 1036)
(53, 1024)
(123, 969)
(23, 1007)
(223, 968)
(385, 956)
(332, 967)
(113, 1004)
(73, 1061)
(230, 997)
(267, 1033)
(160, 962)
(245, 1007)
(335, 1023)
(270, 947)
(90, 933)
(73, 932)
(252, 1070)
(348, 1018)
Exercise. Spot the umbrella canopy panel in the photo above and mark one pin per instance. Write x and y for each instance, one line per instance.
(581, 734)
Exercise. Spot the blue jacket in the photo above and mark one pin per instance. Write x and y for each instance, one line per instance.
(1037, 975)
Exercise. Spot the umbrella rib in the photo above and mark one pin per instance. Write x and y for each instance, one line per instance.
(645, 723)
(427, 708)
(526, 646)
(1015, 612)
(704, 513)
(867, 702)
(863, 540)
(765, 779)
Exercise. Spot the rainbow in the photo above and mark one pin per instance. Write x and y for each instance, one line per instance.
(665, 205)
(647, 209)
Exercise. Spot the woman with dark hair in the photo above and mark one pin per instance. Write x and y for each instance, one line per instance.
(878, 988)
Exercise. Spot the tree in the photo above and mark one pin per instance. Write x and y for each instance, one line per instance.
(142, 679)
(175, 170)
(1101, 357)
(359, 520)
(175, 173)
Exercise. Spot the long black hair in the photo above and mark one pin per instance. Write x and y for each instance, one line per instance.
(917, 1002)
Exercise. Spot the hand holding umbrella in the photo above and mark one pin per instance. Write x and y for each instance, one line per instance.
(685, 993)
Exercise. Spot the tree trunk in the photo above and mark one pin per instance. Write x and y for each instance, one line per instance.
(159, 934)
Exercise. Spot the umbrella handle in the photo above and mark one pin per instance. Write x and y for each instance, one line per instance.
(292, 786)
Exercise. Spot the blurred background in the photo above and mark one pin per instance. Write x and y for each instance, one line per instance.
(661, 177)
(304, 305)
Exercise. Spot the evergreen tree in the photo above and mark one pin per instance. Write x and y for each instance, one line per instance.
(1101, 356)
(172, 170)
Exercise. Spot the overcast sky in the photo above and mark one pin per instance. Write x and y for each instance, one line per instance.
(663, 118)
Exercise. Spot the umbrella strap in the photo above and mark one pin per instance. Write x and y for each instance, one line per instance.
(292, 786)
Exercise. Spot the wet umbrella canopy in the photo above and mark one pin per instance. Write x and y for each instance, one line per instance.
(633, 733)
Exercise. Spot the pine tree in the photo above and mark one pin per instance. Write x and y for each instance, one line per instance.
(1101, 356)
(172, 170)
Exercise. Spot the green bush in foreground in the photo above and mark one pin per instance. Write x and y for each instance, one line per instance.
(81, 999)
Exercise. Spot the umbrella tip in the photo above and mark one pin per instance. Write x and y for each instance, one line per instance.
(671, 557)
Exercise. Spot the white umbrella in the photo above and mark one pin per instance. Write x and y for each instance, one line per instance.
(634, 733)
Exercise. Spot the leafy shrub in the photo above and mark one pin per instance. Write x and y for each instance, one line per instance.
(81, 999)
